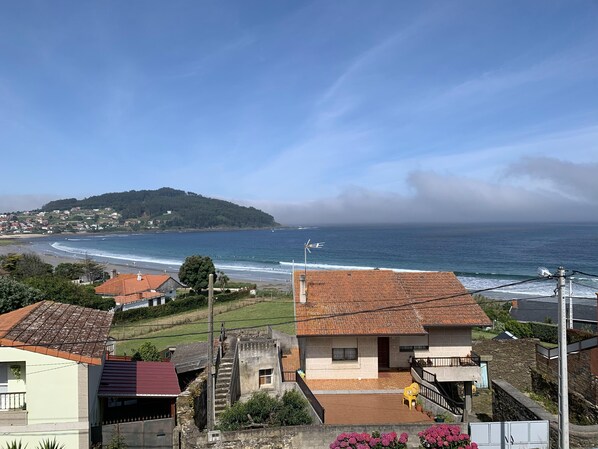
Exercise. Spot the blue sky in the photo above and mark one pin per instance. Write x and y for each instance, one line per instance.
(317, 112)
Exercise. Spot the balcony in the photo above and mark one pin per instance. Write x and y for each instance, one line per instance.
(452, 369)
(13, 409)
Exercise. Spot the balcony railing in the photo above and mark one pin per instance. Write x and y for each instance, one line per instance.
(12, 401)
(437, 362)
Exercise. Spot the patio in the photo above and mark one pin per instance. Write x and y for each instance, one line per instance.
(385, 408)
(387, 382)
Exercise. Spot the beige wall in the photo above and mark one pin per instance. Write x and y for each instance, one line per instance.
(400, 359)
(447, 342)
(319, 364)
(52, 386)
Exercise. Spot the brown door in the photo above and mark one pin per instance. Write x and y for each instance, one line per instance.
(383, 353)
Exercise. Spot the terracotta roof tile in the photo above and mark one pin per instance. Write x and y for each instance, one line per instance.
(383, 302)
(134, 297)
(62, 330)
(128, 283)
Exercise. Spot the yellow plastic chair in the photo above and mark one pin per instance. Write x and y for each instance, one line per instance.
(410, 394)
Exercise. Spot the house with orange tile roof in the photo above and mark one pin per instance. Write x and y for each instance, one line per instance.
(358, 324)
(51, 357)
(132, 291)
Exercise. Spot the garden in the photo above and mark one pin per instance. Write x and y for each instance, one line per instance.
(443, 436)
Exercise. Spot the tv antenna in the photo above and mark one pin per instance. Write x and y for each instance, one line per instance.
(307, 249)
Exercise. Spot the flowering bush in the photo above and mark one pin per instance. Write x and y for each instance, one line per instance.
(376, 440)
(446, 437)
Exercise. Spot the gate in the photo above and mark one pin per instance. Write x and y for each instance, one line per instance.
(511, 434)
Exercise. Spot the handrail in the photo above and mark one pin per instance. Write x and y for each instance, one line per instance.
(434, 362)
(438, 397)
(310, 397)
(13, 401)
(553, 353)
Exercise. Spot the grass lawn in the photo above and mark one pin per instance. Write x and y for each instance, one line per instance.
(259, 315)
(478, 334)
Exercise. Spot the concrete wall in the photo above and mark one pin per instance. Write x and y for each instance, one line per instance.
(53, 386)
(509, 404)
(256, 355)
(400, 359)
(154, 433)
(303, 437)
(447, 342)
(319, 364)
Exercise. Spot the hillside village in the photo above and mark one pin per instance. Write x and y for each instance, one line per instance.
(74, 220)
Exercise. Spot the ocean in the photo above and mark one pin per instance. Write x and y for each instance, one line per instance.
(482, 255)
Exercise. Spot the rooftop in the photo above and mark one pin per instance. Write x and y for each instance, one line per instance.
(383, 302)
(138, 379)
(129, 283)
(60, 330)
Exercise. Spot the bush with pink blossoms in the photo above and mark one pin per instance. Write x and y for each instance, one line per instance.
(364, 440)
(445, 436)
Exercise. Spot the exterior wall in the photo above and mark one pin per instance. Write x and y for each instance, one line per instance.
(400, 359)
(94, 377)
(169, 287)
(135, 305)
(447, 342)
(319, 364)
(52, 387)
(255, 356)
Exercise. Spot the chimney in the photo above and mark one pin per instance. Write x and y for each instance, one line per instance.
(113, 274)
(139, 276)
(514, 304)
(302, 290)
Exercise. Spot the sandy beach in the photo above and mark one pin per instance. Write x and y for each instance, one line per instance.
(22, 244)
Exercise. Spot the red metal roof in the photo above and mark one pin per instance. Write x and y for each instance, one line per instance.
(134, 379)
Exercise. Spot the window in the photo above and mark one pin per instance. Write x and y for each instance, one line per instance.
(266, 377)
(411, 348)
(339, 354)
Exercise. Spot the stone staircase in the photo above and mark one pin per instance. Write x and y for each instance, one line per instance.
(223, 381)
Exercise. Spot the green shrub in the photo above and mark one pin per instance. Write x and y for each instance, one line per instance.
(50, 444)
(179, 305)
(291, 410)
(14, 445)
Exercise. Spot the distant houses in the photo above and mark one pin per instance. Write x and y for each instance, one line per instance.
(132, 291)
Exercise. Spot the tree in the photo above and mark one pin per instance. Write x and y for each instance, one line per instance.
(195, 272)
(147, 352)
(14, 295)
(92, 270)
(22, 266)
(223, 280)
(68, 270)
(60, 289)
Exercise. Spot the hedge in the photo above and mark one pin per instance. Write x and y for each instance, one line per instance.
(175, 306)
(544, 332)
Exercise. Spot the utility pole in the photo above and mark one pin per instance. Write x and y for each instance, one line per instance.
(570, 304)
(563, 376)
(211, 416)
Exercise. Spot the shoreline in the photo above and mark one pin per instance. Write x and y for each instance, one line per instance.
(22, 245)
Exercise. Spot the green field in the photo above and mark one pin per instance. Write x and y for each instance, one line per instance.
(255, 315)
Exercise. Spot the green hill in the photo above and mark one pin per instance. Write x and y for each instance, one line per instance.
(171, 209)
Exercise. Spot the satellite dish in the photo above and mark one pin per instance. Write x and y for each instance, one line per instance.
(543, 271)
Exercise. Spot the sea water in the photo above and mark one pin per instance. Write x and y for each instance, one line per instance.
(484, 256)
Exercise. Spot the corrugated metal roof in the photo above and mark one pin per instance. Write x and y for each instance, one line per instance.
(190, 357)
(134, 379)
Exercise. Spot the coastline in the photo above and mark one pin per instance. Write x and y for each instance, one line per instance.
(22, 244)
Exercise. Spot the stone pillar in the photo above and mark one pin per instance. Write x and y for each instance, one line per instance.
(467, 387)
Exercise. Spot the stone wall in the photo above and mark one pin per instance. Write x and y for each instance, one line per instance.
(191, 406)
(579, 366)
(509, 404)
(303, 437)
